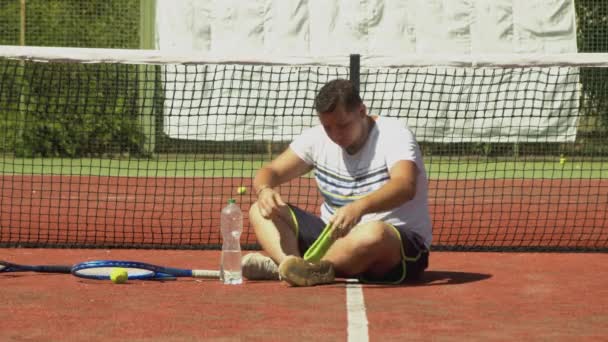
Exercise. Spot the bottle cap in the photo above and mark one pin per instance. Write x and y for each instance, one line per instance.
(231, 201)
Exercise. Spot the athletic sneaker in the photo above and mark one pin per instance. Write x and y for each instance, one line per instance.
(299, 272)
(257, 266)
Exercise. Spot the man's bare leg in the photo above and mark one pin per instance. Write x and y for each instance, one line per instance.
(372, 247)
(277, 235)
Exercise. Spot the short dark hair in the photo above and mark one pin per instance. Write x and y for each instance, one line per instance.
(337, 92)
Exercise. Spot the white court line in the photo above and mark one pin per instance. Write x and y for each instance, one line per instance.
(356, 315)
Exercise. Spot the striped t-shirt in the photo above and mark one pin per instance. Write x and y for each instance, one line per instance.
(343, 178)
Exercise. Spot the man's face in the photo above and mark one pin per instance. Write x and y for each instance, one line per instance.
(344, 127)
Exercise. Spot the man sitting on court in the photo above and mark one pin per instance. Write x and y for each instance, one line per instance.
(373, 181)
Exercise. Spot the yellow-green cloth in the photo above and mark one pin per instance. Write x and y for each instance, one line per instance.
(320, 246)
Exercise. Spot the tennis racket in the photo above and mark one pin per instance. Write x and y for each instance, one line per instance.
(10, 267)
(321, 245)
(101, 269)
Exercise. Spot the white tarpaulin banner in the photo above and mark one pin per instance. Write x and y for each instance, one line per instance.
(247, 102)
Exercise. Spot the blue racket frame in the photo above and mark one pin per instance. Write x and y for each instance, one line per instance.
(155, 272)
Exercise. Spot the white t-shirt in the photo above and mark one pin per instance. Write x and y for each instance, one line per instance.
(343, 178)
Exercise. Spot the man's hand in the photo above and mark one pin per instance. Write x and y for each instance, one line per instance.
(269, 202)
(345, 219)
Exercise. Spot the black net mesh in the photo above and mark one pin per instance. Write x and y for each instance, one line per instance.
(146, 155)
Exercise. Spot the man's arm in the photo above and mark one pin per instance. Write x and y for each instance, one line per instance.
(400, 188)
(284, 168)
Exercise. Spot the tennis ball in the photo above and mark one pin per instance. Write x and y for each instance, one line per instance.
(562, 160)
(241, 190)
(119, 276)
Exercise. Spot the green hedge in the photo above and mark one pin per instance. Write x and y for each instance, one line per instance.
(76, 110)
(87, 110)
(72, 23)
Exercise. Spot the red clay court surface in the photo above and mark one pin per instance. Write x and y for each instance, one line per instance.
(463, 297)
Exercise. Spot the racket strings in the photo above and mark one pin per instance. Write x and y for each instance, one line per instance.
(106, 271)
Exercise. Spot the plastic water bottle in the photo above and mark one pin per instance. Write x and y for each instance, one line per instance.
(232, 227)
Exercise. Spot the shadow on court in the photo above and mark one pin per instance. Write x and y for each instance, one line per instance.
(437, 277)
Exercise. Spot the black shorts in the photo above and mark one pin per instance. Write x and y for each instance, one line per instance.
(415, 256)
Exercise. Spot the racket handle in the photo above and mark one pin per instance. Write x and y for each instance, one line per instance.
(205, 274)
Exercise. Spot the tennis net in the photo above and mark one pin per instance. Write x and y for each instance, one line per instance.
(142, 149)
